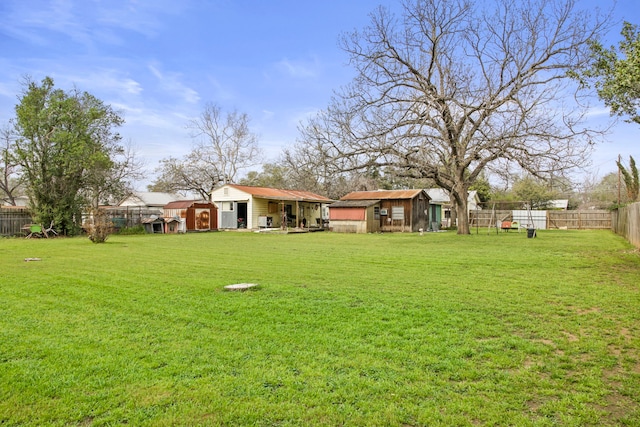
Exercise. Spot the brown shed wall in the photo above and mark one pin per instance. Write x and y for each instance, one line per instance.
(414, 215)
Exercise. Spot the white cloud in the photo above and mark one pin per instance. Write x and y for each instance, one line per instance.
(141, 16)
(171, 83)
(299, 69)
(85, 22)
(5, 90)
(598, 112)
(109, 81)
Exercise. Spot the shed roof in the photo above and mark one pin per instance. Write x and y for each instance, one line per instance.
(152, 219)
(279, 194)
(184, 204)
(353, 203)
(383, 194)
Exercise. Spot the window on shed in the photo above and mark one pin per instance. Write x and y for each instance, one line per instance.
(397, 212)
(226, 191)
(376, 212)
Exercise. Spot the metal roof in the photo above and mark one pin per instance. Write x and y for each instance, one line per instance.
(278, 194)
(382, 194)
(148, 198)
(353, 203)
(184, 204)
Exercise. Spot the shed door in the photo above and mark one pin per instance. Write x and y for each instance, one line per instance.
(229, 215)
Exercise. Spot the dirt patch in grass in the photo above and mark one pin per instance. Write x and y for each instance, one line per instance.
(618, 407)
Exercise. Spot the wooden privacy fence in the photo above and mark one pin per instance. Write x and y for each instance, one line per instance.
(12, 220)
(580, 220)
(626, 222)
(572, 220)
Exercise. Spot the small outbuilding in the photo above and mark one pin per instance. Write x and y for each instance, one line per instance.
(380, 211)
(153, 225)
(192, 215)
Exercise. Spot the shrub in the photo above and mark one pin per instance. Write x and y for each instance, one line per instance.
(99, 227)
(138, 229)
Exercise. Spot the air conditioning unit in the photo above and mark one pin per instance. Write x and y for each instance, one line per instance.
(383, 212)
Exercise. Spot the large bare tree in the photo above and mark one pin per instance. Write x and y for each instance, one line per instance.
(452, 88)
(9, 178)
(224, 146)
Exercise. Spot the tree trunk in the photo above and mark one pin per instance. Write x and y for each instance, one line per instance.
(461, 199)
(453, 212)
(463, 217)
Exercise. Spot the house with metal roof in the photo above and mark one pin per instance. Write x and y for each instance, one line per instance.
(380, 211)
(148, 200)
(254, 208)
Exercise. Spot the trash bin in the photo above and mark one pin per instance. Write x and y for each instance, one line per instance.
(531, 232)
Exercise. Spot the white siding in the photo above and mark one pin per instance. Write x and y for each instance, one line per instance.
(537, 219)
(233, 194)
(230, 194)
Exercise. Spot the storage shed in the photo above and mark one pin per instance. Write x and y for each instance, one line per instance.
(153, 225)
(355, 216)
(380, 210)
(194, 215)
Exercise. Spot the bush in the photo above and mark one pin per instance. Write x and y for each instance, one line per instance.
(99, 227)
(138, 229)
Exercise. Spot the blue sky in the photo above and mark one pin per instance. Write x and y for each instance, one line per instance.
(161, 61)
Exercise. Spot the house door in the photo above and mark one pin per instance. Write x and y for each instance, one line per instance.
(435, 221)
(229, 215)
(242, 215)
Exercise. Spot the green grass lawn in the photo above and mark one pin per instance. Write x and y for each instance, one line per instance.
(353, 330)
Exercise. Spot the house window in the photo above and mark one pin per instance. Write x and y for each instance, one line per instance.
(226, 191)
(376, 212)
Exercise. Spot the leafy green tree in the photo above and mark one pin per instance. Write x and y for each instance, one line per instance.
(65, 148)
(483, 187)
(535, 193)
(631, 180)
(615, 73)
(603, 194)
(273, 175)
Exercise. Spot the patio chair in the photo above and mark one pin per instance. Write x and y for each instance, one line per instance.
(35, 230)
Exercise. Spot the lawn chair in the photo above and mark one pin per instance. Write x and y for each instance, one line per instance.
(35, 230)
(49, 231)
